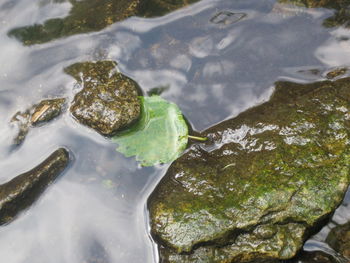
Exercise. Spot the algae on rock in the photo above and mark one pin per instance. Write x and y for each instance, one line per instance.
(93, 15)
(262, 184)
(108, 101)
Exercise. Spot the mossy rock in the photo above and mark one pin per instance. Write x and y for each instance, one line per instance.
(93, 15)
(108, 101)
(262, 184)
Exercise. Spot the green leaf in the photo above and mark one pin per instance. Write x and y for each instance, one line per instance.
(160, 135)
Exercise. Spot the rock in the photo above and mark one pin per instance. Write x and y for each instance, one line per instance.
(339, 239)
(108, 101)
(152, 8)
(19, 193)
(262, 184)
(314, 257)
(38, 114)
(335, 73)
(93, 15)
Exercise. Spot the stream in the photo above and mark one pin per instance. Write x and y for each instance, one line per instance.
(214, 59)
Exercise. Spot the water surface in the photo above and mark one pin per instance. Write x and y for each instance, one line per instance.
(215, 59)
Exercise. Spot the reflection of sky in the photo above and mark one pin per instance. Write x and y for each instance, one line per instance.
(214, 72)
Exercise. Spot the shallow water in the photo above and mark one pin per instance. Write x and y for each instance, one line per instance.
(214, 66)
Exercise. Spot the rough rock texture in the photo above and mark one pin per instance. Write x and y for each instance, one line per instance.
(108, 101)
(264, 181)
(339, 239)
(93, 15)
(38, 114)
(24, 189)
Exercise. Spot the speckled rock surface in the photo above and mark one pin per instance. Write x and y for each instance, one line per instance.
(263, 182)
(24, 189)
(108, 101)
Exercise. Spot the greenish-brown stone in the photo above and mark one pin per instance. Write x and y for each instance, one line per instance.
(19, 193)
(108, 101)
(263, 182)
(93, 15)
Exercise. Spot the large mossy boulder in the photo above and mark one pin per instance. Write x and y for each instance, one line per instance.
(108, 101)
(263, 183)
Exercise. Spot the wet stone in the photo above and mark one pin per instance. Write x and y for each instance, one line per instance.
(108, 101)
(262, 184)
(21, 192)
(93, 15)
(315, 257)
(339, 239)
(338, 72)
(38, 114)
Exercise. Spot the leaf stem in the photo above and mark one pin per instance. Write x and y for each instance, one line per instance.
(202, 139)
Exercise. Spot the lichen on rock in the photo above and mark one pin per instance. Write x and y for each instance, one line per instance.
(262, 184)
(108, 101)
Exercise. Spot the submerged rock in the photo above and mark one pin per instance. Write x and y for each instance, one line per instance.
(108, 101)
(24, 189)
(93, 15)
(262, 184)
(38, 114)
(339, 239)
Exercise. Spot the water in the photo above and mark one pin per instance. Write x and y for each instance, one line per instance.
(215, 58)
